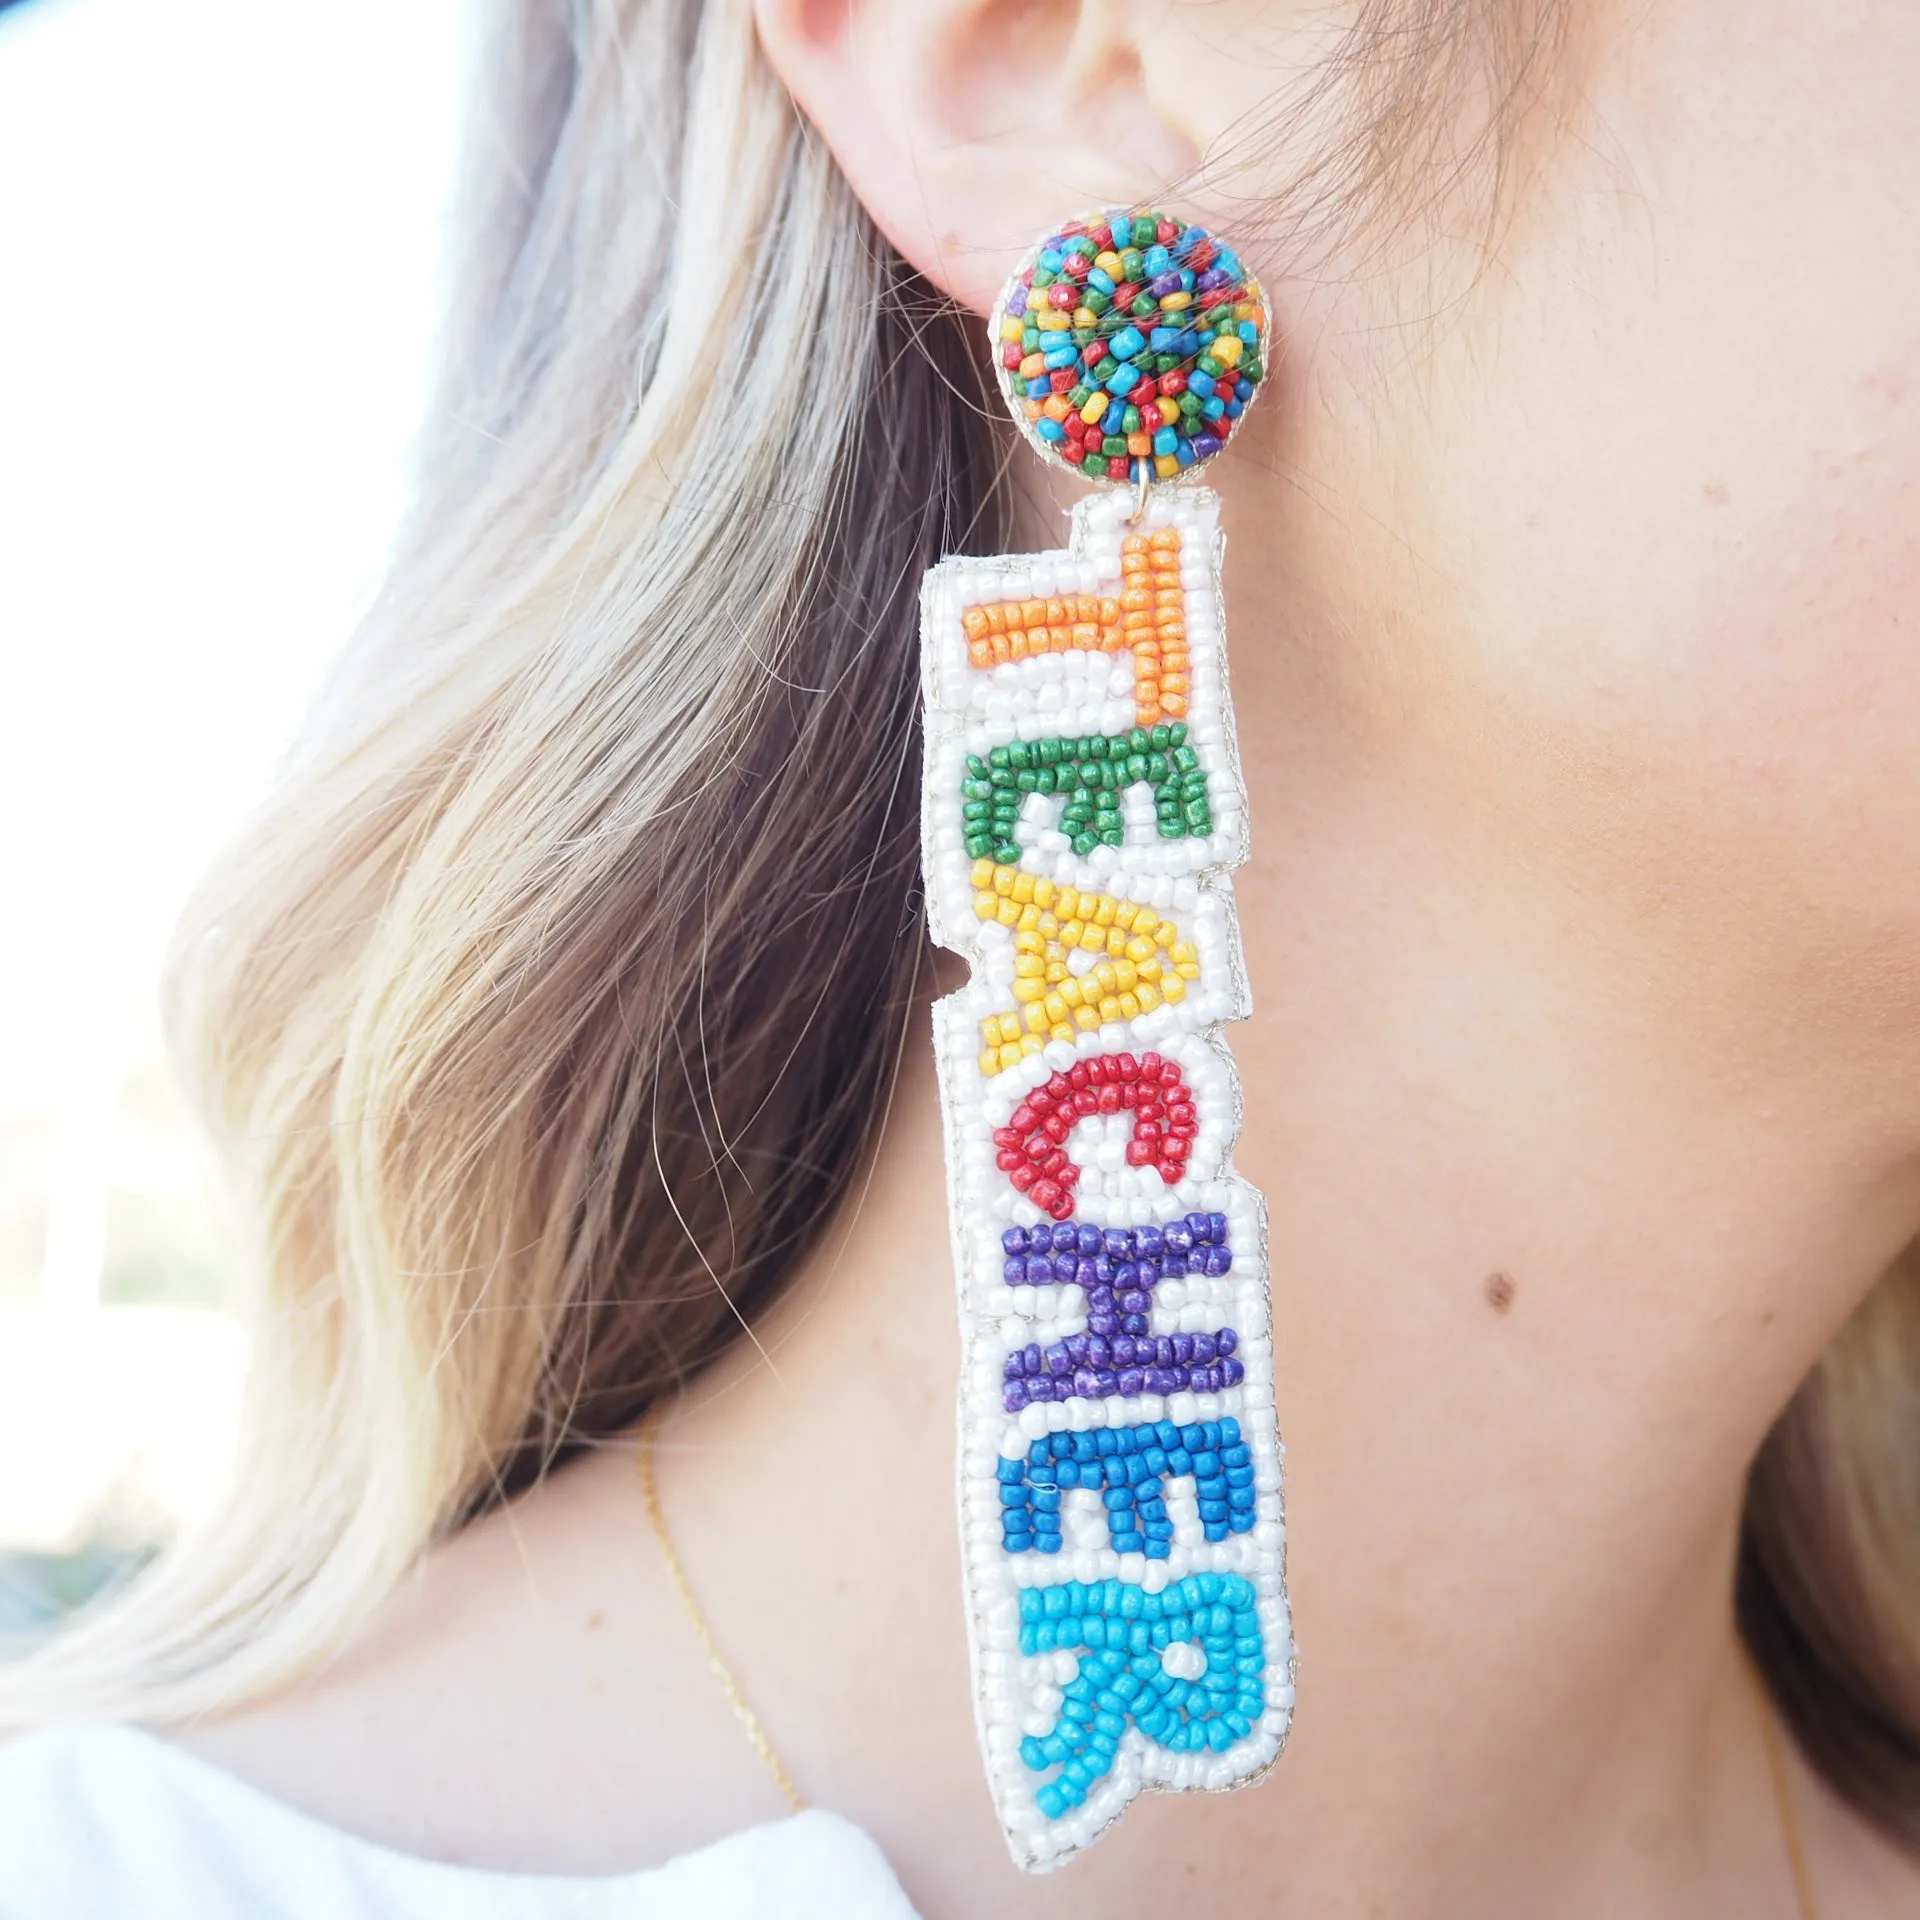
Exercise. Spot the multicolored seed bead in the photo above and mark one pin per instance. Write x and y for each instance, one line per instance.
(1131, 339)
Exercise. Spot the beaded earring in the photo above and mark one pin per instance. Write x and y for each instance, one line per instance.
(1120, 1499)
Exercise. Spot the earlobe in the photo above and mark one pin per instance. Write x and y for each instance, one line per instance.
(968, 126)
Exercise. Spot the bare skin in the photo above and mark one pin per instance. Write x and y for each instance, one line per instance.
(1585, 937)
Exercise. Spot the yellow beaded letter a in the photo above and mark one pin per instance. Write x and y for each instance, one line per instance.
(1142, 961)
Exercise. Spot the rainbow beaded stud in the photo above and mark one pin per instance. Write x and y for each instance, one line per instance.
(1120, 1496)
(1130, 344)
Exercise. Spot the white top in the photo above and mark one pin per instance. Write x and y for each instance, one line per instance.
(108, 1823)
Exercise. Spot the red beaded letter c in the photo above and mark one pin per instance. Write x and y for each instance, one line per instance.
(1033, 1144)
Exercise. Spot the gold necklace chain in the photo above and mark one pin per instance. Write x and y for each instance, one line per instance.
(757, 1737)
(1783, 1795)
(748, 1719)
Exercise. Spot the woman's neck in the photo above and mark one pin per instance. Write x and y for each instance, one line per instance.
(1567, 1193)
(1555, 1233)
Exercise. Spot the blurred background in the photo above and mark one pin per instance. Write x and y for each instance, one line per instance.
(220, 229)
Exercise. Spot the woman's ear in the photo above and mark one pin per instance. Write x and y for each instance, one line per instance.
(967, 127)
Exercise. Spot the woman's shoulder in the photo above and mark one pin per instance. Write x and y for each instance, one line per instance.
(99, 1822)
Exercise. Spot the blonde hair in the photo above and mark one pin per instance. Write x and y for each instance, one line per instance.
(547, 1012)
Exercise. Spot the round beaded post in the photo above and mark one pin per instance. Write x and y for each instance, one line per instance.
(1083, 809)
(1130, 346)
